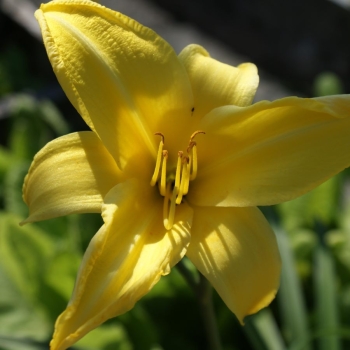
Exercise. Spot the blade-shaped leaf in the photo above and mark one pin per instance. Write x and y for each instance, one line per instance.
(263, 332)
(325, 289)
(290, 296)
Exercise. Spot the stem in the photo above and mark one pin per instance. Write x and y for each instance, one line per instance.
(187, 275)
(205, 301)
(203, 291)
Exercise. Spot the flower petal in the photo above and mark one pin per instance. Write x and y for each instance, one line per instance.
(125, 81)
(236, 250)
(124, 259)
(271, 152)
(71, 174)
(216, 84)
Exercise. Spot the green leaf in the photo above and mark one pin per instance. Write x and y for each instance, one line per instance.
(25, 136)
(6, 161)
(62, 273)
(24, 255)
(13, 343)
(319, 205)
(344, 298)
(263, 332)
(174, 284)
(13, 183)
(344, 220)
(34, 123)
(140, 328)
(303, 243)
(49, 113)
(339, 243)
(106, 337)
(37, 273)
(325, 290)
(290, 297)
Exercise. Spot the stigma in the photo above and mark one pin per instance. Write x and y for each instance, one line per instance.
(174, 185)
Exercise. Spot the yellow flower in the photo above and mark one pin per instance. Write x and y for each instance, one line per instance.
(176, 161)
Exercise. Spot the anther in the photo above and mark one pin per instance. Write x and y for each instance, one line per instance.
(196, 133)
(190, 146)
(161, 135)
(174, 189)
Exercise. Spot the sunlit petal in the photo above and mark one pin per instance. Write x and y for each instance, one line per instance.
(272, 151)
(217, 84)
(71, 174)
(125, 81)
(124, 259)
(236, 250)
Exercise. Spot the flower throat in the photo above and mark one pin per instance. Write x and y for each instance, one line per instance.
(174, 188)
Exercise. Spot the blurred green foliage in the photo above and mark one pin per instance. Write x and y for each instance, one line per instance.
(327, 83)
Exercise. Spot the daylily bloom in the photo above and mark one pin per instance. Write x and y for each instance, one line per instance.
(176, 162)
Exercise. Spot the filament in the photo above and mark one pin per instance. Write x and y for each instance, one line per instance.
(174, 189)
(163, 174)
(158, 161)
(194, 161)
(169, 215)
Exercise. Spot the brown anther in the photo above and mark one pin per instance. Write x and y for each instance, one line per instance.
(165, 154)
(161, 135)
(196, 133)
(190, 146)
(180, 154)
(185, 159)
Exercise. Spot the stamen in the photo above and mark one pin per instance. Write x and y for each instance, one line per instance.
(187, 179)
(189, 151)
(190, 146)
(184, 180)
(194, 163)
(161, 135)
(169, 215)
(196, 133)
(166, 206)
(178, 171)
(163, 175)
(159, 159)
(172, 189)
(192, 152)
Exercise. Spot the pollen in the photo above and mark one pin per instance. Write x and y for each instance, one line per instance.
(173, 187)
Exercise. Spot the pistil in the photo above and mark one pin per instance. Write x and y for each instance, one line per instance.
(184, 180)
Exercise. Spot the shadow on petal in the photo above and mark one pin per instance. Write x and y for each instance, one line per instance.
(124, 260)
(236, 249)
